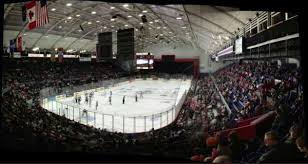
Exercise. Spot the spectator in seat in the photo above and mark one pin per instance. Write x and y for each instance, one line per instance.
(235, 145)
(302, 147)
(222, 159)
(277, 151)
(294, 133)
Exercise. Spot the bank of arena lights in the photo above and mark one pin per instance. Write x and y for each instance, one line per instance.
(35, 49)
(125, 5)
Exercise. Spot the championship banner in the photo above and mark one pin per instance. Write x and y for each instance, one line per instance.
(52, 57)
(60, 55)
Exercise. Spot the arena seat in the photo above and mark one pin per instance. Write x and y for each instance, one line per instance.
(250, 131)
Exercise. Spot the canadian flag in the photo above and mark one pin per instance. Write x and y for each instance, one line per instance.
(31, 14)
(37, 13)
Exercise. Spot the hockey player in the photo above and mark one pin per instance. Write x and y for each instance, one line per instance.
(96, 104)
(136, 98)
(141, 94)
(110, 100)
(84, 112)
(123, 100)
(86, 99)
(76, 99)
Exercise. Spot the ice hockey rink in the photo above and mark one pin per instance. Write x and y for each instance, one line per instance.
(157, 107)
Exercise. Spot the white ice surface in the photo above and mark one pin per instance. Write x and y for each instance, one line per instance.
(159, 98)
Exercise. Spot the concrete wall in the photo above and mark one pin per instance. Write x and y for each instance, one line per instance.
(180, 52)
(206, 65)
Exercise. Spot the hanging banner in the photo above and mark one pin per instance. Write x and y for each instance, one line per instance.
(53, 57)
(60, 55)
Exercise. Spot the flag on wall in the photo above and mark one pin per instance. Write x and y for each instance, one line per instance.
(16, 44)
(37, 14)
(12, 45)
(19, 43)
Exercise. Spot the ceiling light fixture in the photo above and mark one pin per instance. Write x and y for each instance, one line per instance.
(89, 22)
(53, 9)
(97, 21)
(93, 12)
(105, 27)
(111, 7)
(144, 11)
(125, 5)
(141, 23)
(35, 48)
(140, 15)
(126, 25)
(156, 20)
(69, 17)
(151, 22)
(158, 27)
(68, 4)
(77, 15)
(178, 18)
(184, 27)
(112, 19)
(129, 16)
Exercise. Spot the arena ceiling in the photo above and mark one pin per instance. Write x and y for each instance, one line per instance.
(200, 26)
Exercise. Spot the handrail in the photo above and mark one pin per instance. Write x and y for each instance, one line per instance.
(221, 97)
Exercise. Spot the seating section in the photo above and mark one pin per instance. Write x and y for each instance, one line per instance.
(261, 97)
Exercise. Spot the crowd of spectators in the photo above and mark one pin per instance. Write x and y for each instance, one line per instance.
(250, 89)
(51, 132)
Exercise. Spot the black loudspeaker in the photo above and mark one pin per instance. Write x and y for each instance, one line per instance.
(103, 52)
(105, 38)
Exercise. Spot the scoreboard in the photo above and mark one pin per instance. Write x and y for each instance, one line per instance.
(144, 60)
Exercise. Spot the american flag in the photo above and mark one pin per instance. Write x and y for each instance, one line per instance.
(37, 13)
